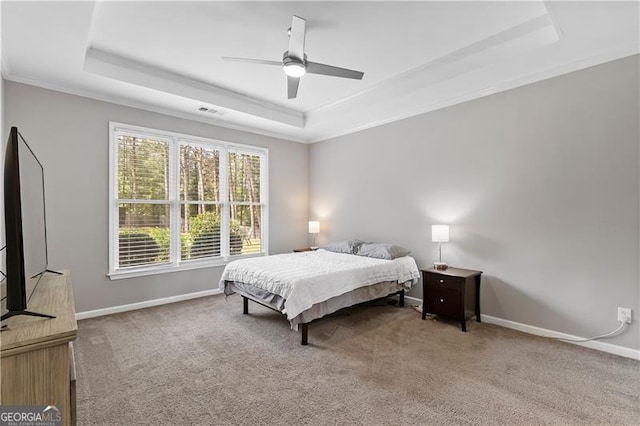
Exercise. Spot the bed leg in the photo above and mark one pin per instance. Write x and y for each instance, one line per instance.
(304, 334)
(401, 297)
(245, 305)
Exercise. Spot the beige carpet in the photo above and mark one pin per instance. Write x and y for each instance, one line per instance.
(203, 362)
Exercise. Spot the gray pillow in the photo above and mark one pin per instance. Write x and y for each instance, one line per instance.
(346, 246)
(382, 251)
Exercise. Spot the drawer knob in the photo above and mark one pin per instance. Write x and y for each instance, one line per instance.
(441, 281)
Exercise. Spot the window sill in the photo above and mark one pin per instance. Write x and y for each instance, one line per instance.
(185, 266)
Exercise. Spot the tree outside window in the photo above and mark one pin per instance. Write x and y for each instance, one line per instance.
(180, 200)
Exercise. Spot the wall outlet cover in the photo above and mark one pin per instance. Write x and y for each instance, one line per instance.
(624, 315)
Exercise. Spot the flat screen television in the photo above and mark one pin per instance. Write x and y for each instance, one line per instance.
(25, 225)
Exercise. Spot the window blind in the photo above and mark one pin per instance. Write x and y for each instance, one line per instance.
(143, 201)
(246, 208)
(201, 206)
(179, 199)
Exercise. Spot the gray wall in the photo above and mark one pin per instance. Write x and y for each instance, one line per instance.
(70, 135)
(539, 184)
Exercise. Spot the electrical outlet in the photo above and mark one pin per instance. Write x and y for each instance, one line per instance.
(624, 315)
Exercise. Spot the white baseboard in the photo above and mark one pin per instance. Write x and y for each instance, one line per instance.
(593, 344)
(145, 304)
(530, 329)
(415, 299)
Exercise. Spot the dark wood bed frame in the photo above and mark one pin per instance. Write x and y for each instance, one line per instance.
(304, 325)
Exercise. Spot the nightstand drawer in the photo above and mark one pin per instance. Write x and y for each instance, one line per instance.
(442, 281)
(443, 301)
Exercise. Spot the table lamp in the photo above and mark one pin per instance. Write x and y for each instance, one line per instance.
(314, 228)
(440, 234)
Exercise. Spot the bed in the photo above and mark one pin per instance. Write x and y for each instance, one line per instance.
(306, 286)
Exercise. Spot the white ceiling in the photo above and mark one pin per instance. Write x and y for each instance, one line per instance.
(416, 56)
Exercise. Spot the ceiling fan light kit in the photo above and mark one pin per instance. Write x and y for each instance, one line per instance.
(294, 61)
(293, 67)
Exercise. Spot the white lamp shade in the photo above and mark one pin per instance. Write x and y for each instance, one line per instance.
(314, 227)
(439, 233)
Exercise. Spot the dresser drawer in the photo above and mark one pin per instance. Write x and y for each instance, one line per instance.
(442, 281)
(443, 301)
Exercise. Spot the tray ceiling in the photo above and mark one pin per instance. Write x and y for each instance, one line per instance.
(416, 56)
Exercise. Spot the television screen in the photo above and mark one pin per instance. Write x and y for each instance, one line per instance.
(25, 225)
(33, 214)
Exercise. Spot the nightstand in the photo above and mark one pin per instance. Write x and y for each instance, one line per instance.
(305, 249)
(454, 293)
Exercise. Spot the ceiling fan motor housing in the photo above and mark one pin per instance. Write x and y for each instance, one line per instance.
(294, 66)
(288, 59)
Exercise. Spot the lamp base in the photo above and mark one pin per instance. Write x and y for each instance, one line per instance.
(440, 266)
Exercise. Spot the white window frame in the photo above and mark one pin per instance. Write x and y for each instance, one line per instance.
(175, 140)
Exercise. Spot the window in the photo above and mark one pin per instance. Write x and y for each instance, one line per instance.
(182, 202)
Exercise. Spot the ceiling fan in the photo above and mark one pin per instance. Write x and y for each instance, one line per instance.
(294, 60)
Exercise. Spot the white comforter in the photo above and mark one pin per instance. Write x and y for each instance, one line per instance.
(304, 279)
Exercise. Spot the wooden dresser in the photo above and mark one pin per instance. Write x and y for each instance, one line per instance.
(36, 354)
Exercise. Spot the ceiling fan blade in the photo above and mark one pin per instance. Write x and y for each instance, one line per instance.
(292, 86)
(316, 68)
(296, 39)
(251, 61)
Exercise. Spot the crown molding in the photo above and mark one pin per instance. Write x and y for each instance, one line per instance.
(593, 60)
(536, 32)
(408, 91)
(117, 100)
(602, 57)
(140, 74)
